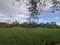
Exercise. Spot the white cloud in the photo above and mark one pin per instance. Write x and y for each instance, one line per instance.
(18, 12)
(21, 16)
(10, 13)
(7, 18)
(6, 7)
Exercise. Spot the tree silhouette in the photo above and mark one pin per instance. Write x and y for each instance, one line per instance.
(36, 7)
(33, 9)
(35, 12)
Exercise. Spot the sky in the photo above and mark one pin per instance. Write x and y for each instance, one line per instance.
(48, 16)
(11, 13)
(19, 12)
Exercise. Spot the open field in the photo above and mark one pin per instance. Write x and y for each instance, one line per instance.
(29, 36)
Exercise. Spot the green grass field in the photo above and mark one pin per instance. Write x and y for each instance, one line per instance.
(28, 36)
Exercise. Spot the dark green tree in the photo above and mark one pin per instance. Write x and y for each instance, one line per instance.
(53, 25)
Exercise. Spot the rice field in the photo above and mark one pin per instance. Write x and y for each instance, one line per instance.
(29, 36)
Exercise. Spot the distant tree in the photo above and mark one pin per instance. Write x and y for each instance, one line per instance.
(47, 25)
(29, 25)
(24, 24)
(16, 23)
(41, 24)
(5, 25)
(53, 25)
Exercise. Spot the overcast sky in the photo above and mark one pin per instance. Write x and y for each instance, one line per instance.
(18, 11)
(12, 12)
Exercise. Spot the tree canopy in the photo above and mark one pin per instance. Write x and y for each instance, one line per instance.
(36, 7)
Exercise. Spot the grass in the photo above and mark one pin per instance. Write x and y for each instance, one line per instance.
(28, 36)
(57, 44)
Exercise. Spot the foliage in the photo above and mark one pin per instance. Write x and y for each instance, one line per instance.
(15, 24)
(29, 25)
(36, 10)
(5, 25)
(49, 25)
(33, 9)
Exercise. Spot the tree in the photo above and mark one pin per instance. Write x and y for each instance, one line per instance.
(47, 25)
(16, 23)
(41, 24)
(34, 9)
(55, 4)
(5, 25)
(35, 12)
(53, 25)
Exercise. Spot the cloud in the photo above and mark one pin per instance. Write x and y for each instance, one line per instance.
(6, 7)
(16, 12)
(10, 13)
(12, 18)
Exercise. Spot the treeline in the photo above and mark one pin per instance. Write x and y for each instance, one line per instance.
(44, 25)
(5, 25)
(49, 25)
(9, 25)
(29, 25)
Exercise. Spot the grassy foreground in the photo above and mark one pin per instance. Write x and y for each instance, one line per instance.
(29, 36)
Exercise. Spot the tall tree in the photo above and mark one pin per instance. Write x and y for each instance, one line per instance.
(33, 9)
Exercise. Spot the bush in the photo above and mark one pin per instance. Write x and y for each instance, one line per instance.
(29, 25)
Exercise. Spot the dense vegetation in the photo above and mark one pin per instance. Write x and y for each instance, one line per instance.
(29, 25)
(29, 36)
